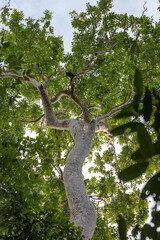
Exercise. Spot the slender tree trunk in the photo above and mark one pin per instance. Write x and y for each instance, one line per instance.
(82, 211)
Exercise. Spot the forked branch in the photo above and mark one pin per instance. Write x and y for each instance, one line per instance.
(50, 115)
(32, 121)
(93, 57)
(76, 99)
(117, 108)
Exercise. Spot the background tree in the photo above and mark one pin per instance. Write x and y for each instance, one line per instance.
(86, 89)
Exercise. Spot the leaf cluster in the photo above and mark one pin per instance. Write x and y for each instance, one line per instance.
(147, 108)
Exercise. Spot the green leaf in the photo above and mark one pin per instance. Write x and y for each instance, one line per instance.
(138, 156)
(136, 101)
(2, 40)
(121, 129)
(147, 105)
(26, 78)
(156, 147)
(147, 231)
(126, 112)
(11, 101)
(2, 92)
(122, 228)
(152, 187)
(138, 83)
(156, 123)
(156, 218)
(133, 171)
(6, 44)
(145, 142)
(136, 230)
(15, 72)
(23, 72)
(138, 86)
(28, 71)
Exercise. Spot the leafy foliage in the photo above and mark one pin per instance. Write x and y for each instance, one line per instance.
(33, 201)
(146, 151)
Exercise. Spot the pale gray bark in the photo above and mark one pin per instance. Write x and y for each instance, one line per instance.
(82, 211)
(50, 115)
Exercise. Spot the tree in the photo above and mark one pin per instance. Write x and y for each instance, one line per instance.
(80, 92)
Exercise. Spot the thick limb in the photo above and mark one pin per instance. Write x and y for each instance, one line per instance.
(50, 115)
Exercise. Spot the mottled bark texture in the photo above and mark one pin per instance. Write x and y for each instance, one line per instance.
(82, 211)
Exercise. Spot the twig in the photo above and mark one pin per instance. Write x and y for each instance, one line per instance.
(76, 99)
(94, 107)
(125, 136)
(153, 51)
(60, 94)
(6, 6)
(26, 90)
(138, 31)
(144, 8)
(97, 199)
(113, 111)
(116, 108)
(39, 72)
(32, 121)
(115, 157)
(95, 55)
(152, 79)
(8, 74)
(68, 104)
(42, 122)
(114, 94)
(61, 106)
(59, 170)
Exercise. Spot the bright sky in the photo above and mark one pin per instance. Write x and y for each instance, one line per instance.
(61, 9)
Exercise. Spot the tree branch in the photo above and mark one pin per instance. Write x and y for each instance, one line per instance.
(20, 76)
(32, 121)
(94, 107)
(115, 157)
(83, 106)
(113, 111)
(95, 55)
(9, 74)
(127, 138)
(149, 55)
(67, 105)
(76, 99)
(152, 79)
(50, 115)
(117, 108)
(72, 76)
(6, 6)
(104, 127)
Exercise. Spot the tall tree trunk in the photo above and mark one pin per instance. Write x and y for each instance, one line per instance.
(82, 211)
